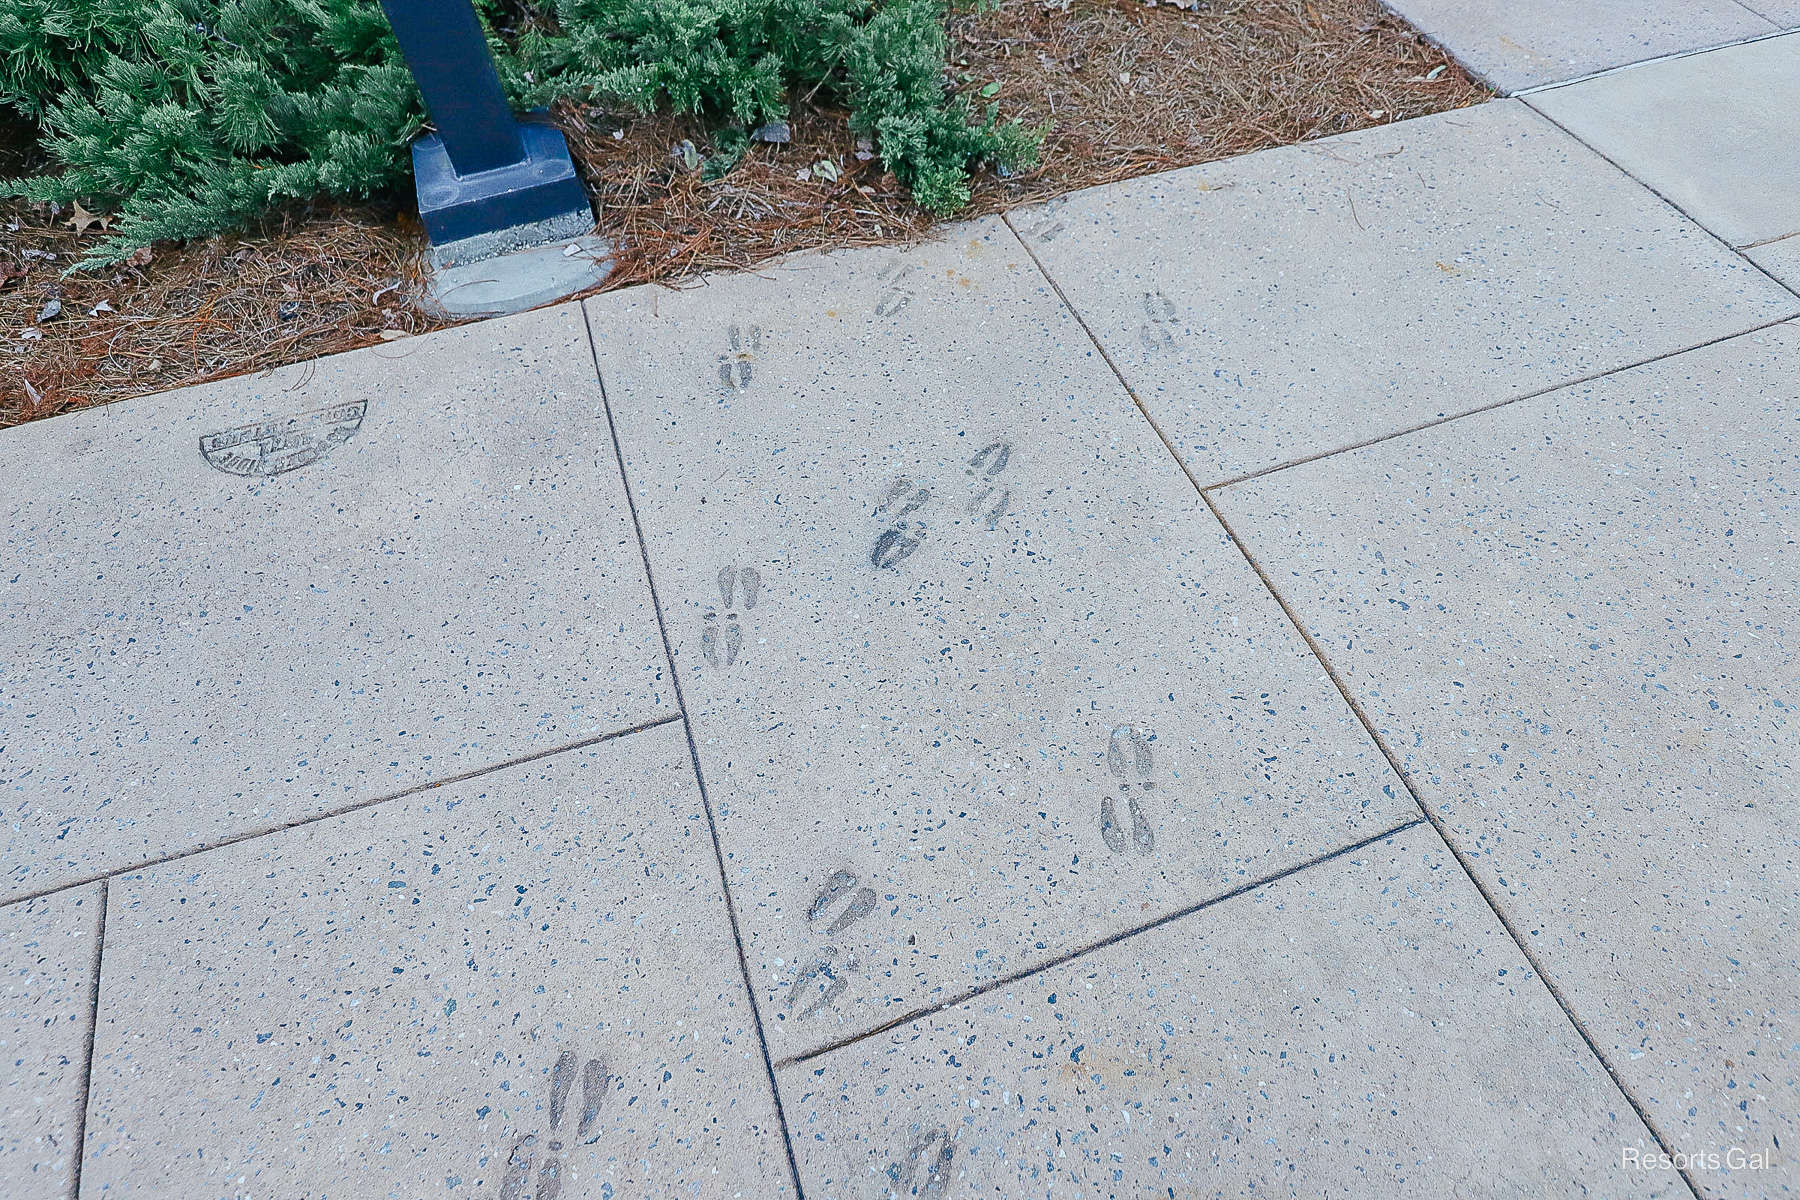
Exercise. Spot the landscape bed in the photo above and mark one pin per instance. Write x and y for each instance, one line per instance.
(1121, 88)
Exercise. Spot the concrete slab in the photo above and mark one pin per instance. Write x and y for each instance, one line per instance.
(975, 676)
(1714, 133)
(1522, 43)
(1780, 259)
(1784, 13)
(236, 606)
(1299, 300)
(1364, 1027)
(525, 979)
(48, 948)
(1575, 620)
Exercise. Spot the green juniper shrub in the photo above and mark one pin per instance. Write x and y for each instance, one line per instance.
(194, 117)
(738, 61)
(187, 118)
(894, 81)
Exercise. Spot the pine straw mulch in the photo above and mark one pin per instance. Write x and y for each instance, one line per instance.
(1127, 88)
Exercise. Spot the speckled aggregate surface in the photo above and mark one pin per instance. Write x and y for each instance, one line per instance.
(995, 830)
(1780, 259)
(48, 949)
(257, 601)
(1001, 688)
(384, 1004)
(1785, 13)
(1362, 1028)
(1715, 133)
(1575, 618)
(1304, 299)
(1517, 44)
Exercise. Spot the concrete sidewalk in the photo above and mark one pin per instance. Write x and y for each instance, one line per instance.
(1275, 678)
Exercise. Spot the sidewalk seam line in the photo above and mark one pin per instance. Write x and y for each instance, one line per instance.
(687, 725)
(79, 1151)
(1247, 476)
(1356, 708)
(1774, 31)
(1112, 939)
(1105, 355)
(1688, 216)
(1456, 852)
(345, 810)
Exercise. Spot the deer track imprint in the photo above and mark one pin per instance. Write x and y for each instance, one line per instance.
(989, 500)
(902, 509)
(924, 1170)
(596, 1081)
(1047, 224)
(1158, 331)
(838, 905)
(722, 637)
(896, 295)
(1132, 764)
(737, 365)
(905, 530)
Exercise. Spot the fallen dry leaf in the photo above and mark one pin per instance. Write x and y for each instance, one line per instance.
(83, 218)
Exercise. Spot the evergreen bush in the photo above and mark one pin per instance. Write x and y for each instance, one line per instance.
(186, 118)
(738, 60)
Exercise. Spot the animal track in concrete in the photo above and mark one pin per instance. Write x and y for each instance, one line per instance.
(896, 295)
(722, 638)
(905, 531)
(595, 1082)
(838, 905)
(924, 1170)
(737, 366)
(902, 507)
(1046, 225)
(988, 501)
(1158, 331)
(862, 901)
(1132, 765)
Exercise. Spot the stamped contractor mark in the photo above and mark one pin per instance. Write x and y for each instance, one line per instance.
(737, 365)
(596, 1081)
(282, 444)
(1132, 764)
(839, 904)
(722, 637)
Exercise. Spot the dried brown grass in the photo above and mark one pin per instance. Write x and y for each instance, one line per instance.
(1126, 89)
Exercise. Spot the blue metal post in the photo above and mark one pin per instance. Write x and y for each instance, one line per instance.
(484, 170)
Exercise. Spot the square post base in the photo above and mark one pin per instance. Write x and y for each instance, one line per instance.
(540, 188)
